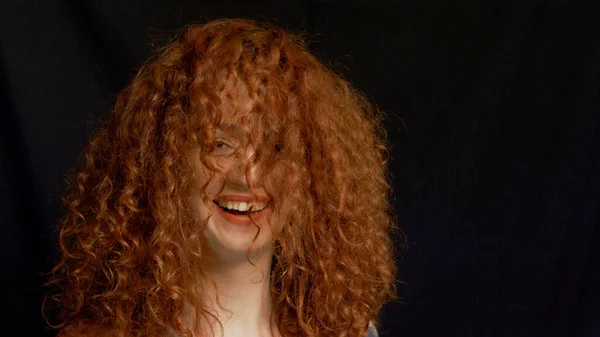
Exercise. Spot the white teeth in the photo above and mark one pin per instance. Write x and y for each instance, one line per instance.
(242, 206)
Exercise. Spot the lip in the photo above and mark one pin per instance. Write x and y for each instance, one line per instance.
(242, 220)
(241, 198)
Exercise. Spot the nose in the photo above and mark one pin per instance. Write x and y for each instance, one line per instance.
(242, 160)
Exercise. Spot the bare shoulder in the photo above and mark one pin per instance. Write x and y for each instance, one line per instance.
(372, 331)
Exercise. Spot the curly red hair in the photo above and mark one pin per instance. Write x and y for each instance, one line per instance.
(130, 248)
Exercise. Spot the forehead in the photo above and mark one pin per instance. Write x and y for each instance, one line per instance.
(264, 110)
(235, 101)
(241, 115)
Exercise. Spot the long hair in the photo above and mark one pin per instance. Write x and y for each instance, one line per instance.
(130, 249)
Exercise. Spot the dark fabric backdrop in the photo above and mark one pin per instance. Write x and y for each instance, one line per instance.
(494, 125)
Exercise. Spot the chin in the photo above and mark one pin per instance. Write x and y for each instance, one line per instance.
(232, 242)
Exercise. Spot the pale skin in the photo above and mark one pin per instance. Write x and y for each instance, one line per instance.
(236, 292)
(242, 299)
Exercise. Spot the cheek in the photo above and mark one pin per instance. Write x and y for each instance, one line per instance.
(203, 183)
(291, 188)
(283, 203)
(196, 203)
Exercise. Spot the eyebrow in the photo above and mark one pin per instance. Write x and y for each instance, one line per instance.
(231, 129)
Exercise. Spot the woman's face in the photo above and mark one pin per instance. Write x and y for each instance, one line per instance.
(232, 209)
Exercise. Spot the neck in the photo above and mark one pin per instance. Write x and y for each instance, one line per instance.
(239, 294)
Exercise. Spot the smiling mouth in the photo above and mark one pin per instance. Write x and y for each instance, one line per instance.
(240, 208)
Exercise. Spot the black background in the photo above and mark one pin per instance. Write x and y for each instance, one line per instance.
(493, 120)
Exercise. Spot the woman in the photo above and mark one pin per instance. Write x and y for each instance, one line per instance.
(238, 189)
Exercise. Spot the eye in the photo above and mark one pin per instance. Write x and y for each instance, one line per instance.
(278, 147)
(220, 143)
(223, 148)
